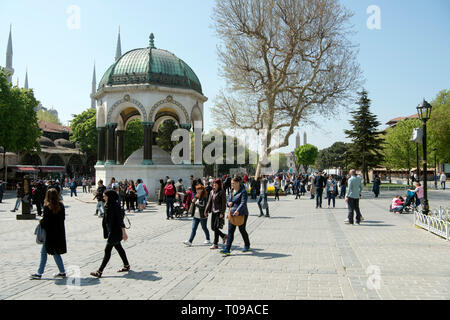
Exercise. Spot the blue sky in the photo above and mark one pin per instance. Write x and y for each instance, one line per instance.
(407, 60)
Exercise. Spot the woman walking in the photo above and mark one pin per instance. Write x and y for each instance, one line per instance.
(331, 190)
(141, 194)
(169, 192)
(237, 202)
(114, 232)
(200, 215)
(217, 204)
(55, 241)
(131, 196)
(376, 186)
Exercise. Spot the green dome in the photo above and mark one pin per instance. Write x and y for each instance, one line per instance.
(151, 66)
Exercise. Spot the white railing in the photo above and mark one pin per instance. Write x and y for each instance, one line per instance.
(438, 222)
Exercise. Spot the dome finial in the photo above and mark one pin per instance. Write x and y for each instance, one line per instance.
(152, 42)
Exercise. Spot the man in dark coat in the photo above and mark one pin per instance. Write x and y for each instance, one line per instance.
(319, 183)
(39, 196)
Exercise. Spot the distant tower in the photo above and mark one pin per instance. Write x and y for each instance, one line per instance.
(9, 56)
(119, 47)
(94, 89)
(26, 80)
(305, 141)
(297, 140)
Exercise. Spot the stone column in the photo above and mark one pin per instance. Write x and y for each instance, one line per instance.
(148, 143)
(101, 132)
(110, 151)
(120, 146)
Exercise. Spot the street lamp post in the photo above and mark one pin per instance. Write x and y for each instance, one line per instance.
(424, 112)
(435, 173)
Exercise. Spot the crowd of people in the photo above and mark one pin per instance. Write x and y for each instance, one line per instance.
(200, 199)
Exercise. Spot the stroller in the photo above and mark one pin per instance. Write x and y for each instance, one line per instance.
(411, 202)
(179, 209)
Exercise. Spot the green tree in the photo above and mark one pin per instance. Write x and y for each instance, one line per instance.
(44, 115)
(332, 157)
(365, 150)
(306, 155)
(399, 151)
(19, 129)
(84, 131)
(164, 137)
(134, 137)
(439, 127)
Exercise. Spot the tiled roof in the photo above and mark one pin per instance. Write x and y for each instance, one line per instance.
(52, 127)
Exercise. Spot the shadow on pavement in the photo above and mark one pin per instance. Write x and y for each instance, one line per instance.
(77, 282)
(91, 281)
(261, 254)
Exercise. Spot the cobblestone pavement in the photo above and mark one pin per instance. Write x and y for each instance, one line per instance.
(299, 253)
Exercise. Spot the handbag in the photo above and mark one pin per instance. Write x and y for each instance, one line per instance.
(192, 209)
(40, 234)
(235, 220)
(265, 204)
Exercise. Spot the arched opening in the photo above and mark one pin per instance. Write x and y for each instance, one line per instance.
(75, 167)
(196, 117)
(134, 136)
(55, 160)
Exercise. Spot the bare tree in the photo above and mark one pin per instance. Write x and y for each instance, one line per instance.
(284, 61)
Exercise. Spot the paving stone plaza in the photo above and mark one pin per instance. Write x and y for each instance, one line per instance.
(298, 253)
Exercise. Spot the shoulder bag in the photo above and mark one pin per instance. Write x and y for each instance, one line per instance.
(40, 234)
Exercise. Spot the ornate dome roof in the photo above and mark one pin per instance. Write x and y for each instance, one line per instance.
(64, 143)
(46, 142)
(151, 66)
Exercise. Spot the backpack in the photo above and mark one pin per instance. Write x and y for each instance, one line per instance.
(169, 190)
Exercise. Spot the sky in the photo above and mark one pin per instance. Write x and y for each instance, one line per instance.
(403, 61)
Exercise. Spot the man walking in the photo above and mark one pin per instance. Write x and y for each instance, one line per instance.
(263, 196)
(319, 184)
(352, 197)
(73, 188)
(443, 179)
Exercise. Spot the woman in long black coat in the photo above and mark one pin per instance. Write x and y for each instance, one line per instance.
(55, 242)
(217, 204)
(113, 231)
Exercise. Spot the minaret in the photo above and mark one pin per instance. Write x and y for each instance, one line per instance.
(26, 80)
(9, 56)
(297, 140)
(94, 89)
(304, 138)
(119, 47)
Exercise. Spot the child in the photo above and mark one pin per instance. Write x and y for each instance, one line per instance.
(397, 204)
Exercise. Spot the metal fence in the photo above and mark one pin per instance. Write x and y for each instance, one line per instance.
(438, 222)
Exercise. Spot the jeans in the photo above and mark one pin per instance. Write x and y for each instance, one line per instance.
(169, 206)
(343, 190)
(260, 199)
(319, 192)
(443, 185)
(398, 209)
(100, 207)
(73, 191)
(331, 197)
(232, 229)
(58, 260)
(107, 256)
(39, 206)
(195, 224)
(353, 205)
(18, 201)
(84, 189)
(1, 197)
(277, 196)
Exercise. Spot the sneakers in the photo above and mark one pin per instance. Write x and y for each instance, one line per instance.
(36, 276)
(207, 242)
(214, 246)
(260, 215)
(267, 216)
(348, 222)
(225, 252)
(246, 249)
(60, 275)
(188, 243)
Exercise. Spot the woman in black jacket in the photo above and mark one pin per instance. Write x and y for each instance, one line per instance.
(114, 231)
(55, 242)
(217, 204)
